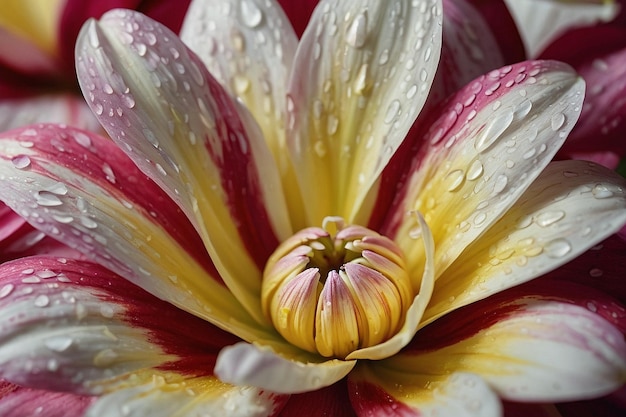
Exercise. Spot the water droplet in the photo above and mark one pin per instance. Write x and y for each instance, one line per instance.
(558, 248)
(250, 13)
(241, 83)
(600, 191)
(596, 272)
(42, 301)
(392, 111)
(557, 121)
(548, 218)
(475, 170)
(128, 101)
(58, 344)
(454, 180)
(357, 31)
(21, 161)
(6, 290)
(333, 124)
(500, 184)
(493, 131)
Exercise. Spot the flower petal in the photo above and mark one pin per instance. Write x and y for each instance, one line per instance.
(540, 21)
(16, 401)
(63, 108)
(74, 326)
(536, 343)
(82, 190)
(329, 401)
(159, 103)
(166, 396)
(413, 315)
(465, 54)
(248, 46)
(569, 208)
(458, 395)
(599, 56)
(246, 364)
(493, 139)
(34, 22)
(298, 13)
(362, 72)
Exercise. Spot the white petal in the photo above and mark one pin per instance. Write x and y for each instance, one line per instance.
(246, 364)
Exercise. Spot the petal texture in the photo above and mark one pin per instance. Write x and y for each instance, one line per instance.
(362, 72)
(159, 103)
(569, 208)
(74, 326)
(246, 364)
(82, 190)
(536, 343)
(459, 395)
(16, 401)
(491, 141)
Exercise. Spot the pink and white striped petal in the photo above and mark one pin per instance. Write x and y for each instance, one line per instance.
(361, 75)
(571, 207)
(492, 140)
(82, 190)
(74, 326)
(290, 372)
(541, 342)
(62, 108)
(168, 396)
(16, 401)
(161, 106)
(456, 395)
(248, 46)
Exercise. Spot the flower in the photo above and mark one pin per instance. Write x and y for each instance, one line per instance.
(225, 231)
(38, 82)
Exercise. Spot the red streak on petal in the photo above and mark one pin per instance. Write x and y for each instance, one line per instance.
(239, 178)
(95, 157)
(332, 401)
(372, 401)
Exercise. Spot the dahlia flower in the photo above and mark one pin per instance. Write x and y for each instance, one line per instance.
(274, 231)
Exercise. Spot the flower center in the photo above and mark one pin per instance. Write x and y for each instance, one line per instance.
(336, 289)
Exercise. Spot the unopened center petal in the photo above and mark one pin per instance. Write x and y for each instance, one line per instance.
(336, 289)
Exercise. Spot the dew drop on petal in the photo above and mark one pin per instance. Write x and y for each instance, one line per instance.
(357, 31)
(42, 301)
(600, 191)
(557, 121)
(6, 290)
(250, 13)
(454, 180)
(548, 218)
(492, 132)
(558, 248)
(21, 161)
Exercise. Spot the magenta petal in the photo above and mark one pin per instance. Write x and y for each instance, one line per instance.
(599, 55)
(16, 401)
(298, 12)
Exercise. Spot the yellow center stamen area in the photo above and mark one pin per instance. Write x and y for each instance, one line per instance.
(336, 289)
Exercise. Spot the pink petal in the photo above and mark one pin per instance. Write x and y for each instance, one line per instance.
(470, 48)
(81, 189)
(599, 55)
(185, 132)
(16, 401)
(602, 267)
(66, 108)
(70, 325)
(556, 341)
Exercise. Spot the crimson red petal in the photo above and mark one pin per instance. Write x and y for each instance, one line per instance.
(298, 12)
(330, 401)
(16, 401)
